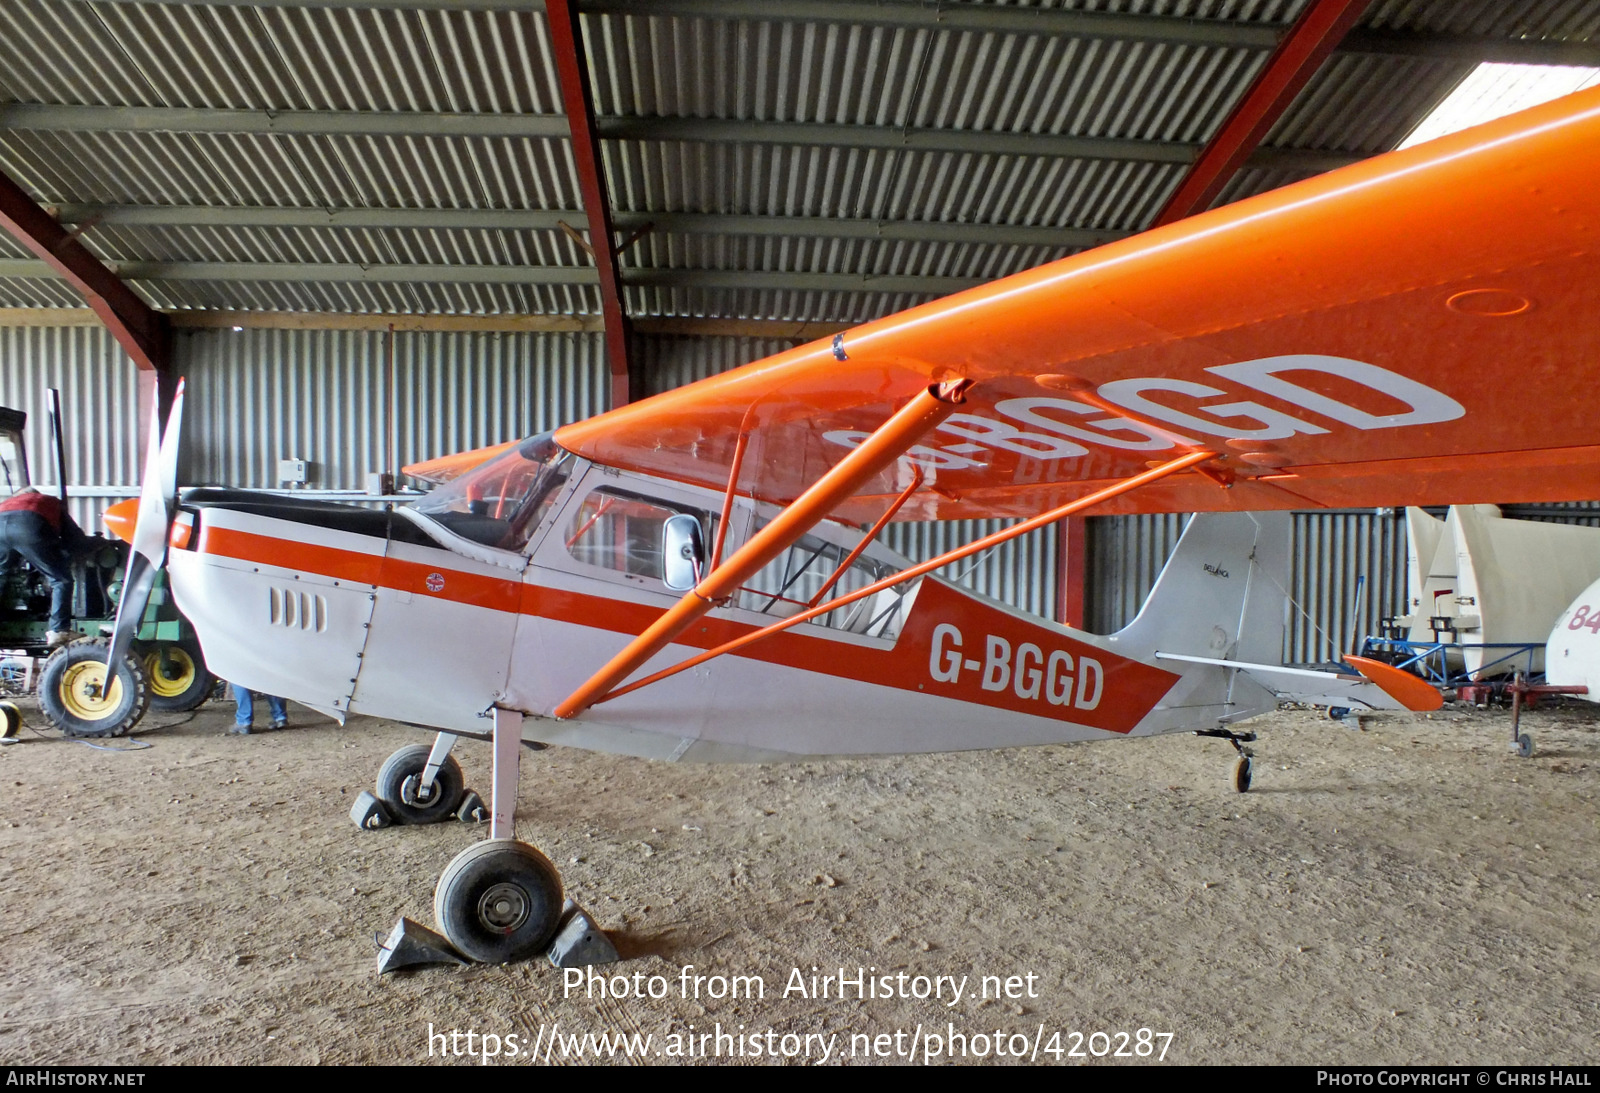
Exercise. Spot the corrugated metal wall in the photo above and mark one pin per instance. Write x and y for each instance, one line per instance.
(98, 385)
(1584, 513)
(1021, 573)
(328, 396)
(661, 363)
(1335, 556)
(1125, 555)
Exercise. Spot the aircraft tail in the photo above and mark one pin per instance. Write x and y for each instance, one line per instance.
(1217, 615)
(1222, 593)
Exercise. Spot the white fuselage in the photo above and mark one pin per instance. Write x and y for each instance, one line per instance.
(419, 625)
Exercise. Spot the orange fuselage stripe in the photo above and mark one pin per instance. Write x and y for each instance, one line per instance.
(1131, 688)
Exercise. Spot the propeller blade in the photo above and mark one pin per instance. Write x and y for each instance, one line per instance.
(157, 500)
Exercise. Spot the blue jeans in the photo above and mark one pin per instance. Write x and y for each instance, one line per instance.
(30, 535)
(246, 711)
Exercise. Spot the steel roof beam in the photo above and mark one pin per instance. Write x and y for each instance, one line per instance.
(572, 71)
(917, 15)
(142, 332)
(503, 322)
(64, 118)
(1291, 66)
(356, 123)
(328, 272)
(797, 281)
(1472, 49)
(791, 227)
(893, 14)
(278, 216)
(1008, 19)
(398, 273)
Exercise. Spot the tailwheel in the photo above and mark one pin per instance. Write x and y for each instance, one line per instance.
(499, 900)
(179, 680)
(400, 786)
(1243, 770)
(1523, 746)
(81, 699)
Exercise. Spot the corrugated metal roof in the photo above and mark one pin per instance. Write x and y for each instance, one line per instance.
(876, 77)
(666, 66)
(384, 297)
(1488, 18)
(1365, 104)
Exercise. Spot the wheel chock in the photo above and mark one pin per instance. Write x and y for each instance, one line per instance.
(579, 942)
(472, 810)
(410, 943)
(369, 813)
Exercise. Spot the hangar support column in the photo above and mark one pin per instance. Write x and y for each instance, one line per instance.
(144, 333)
(572, 66)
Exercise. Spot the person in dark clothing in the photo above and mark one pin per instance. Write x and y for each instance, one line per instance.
(39, 527)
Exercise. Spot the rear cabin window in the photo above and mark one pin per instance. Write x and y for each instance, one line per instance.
(799, 579)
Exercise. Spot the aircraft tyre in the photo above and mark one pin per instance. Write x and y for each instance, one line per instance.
(1523, 746)
(400, 787)
(1243, 770)
(185, 684)
(498, 900)
(77, 698)
(10, 720)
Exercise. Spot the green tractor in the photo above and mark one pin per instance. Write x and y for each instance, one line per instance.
(164, 670)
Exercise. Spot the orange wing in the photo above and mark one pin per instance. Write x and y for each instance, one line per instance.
(1418, 328)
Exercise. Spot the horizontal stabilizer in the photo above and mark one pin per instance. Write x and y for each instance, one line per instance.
(1318, 688)
(1411, 692)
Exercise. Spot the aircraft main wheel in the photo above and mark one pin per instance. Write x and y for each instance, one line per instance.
(79, 699)
(183, 684)
(1523, 746)
(10, 720)
(400, 786)
(498, 900)
(1242, 772)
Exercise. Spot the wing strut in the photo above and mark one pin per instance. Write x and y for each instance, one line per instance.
(1184, 462)
(892, 440)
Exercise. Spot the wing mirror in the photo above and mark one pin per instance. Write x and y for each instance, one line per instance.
(683, 552)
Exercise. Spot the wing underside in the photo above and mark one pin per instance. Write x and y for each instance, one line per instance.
(1364, 338)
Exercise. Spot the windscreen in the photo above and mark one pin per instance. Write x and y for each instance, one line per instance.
(500, 503)
(13, 468)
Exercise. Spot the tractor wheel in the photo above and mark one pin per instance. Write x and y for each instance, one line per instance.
(184, 683)
(77, 697)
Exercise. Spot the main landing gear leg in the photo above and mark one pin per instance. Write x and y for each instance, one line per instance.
(1244, 767)
(499, 900)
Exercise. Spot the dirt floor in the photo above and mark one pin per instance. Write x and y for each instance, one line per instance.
(1407, 893)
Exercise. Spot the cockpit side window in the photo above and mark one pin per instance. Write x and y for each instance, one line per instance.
(501, 503)
(621, 531)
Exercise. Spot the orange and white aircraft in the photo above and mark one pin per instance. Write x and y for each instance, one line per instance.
(697, 576)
